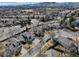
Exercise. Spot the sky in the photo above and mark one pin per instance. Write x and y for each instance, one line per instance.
(15, 3)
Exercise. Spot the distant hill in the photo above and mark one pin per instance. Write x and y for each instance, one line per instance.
(47, 4)
(40, 4)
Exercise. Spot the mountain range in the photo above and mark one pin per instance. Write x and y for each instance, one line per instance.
(48, 4)
(39, 4)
